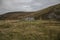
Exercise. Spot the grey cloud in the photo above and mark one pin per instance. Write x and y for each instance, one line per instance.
(25, 5)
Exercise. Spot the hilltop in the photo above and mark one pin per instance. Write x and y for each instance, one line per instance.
(36, 14)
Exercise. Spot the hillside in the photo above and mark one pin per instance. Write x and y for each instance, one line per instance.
(36, 14)
(13, 28)
(15, 15)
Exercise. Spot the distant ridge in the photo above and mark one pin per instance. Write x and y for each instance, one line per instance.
(19, 15)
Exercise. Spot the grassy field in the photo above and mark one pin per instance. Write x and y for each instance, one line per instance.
(29, 30)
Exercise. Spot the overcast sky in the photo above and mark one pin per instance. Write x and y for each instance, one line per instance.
(25, 5)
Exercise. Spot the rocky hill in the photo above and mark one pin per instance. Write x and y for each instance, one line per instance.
(37, 14)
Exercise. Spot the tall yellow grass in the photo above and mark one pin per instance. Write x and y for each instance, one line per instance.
(29, 30)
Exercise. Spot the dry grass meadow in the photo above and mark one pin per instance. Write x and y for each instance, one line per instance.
(29, 30)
